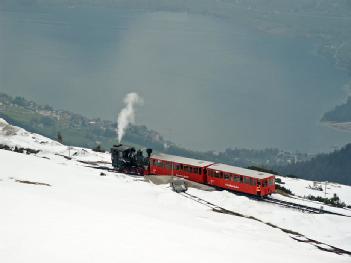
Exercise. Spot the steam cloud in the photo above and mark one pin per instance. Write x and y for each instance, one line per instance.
(127, 114)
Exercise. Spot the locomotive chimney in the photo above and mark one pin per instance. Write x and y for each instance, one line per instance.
(149, 152)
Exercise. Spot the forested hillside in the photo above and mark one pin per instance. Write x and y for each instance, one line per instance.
(341, 113)
(334, 167)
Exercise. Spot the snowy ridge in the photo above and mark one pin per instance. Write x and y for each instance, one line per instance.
(17, 137)
(75, 215)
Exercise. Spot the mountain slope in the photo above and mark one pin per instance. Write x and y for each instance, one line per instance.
(83, 217)
(58, 210)
(334, 167)
(341, 113)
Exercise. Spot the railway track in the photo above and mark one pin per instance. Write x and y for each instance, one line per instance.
(201, 201)
(300, 207)
(293, 205)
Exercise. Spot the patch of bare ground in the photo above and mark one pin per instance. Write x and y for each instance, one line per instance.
(30, 182)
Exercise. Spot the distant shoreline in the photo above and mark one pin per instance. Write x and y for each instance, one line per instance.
(341, 126)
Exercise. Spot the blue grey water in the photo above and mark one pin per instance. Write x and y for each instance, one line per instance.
(207, 82)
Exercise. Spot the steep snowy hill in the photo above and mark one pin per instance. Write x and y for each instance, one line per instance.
(54, 209)
(13, 136)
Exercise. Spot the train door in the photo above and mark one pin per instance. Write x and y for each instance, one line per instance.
(258, 188)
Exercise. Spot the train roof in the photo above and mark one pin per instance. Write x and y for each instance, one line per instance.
(181, 160)
(240, 171)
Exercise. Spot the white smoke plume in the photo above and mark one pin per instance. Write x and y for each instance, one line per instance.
(127, 114)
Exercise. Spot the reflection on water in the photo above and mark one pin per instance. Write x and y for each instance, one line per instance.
(207, 82)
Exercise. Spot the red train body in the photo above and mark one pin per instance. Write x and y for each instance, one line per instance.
(215, 174)
(191, 169)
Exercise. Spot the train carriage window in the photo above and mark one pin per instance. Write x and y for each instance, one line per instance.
(236, 178)
(246, 180)
(190, 169)
(216, 174)
(200, 171)
(226, 176)
(221, 175)
(252, 181)
(241, 179)
(160, 164)
(195, 170)
(177, 166)
(264, 183)
(185, 168)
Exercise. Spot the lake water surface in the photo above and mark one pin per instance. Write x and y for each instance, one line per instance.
(207, 83)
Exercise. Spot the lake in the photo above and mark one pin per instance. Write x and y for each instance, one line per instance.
(207, 82)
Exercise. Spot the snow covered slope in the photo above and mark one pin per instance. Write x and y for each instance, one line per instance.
(17, 137)
(57, 210)
(302, 188)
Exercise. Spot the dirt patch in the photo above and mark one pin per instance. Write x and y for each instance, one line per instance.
(30, 182)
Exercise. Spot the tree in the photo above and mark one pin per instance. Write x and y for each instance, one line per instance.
(98, 148)
(59, 137)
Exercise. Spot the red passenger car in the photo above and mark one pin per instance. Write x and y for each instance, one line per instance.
(215, 174)
(191, 169)
(240, 179)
